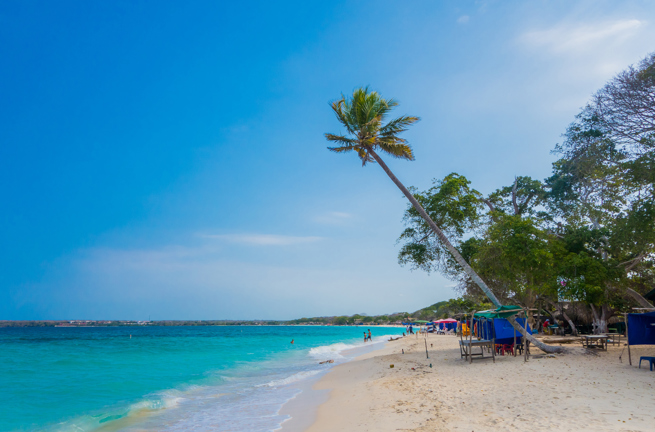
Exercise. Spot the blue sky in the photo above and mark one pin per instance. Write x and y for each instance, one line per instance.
(167, 160)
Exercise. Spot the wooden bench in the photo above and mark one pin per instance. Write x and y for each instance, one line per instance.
(466, 349)
(594, 341)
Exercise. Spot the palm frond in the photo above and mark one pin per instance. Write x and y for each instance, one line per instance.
(345, 144)
(398, 149)
(398, 125)
(341, 110)
(387, 107)
(340, 139)
(342, 149)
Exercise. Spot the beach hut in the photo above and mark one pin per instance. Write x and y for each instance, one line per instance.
(502, 327)
(641, 330)
(446, 324)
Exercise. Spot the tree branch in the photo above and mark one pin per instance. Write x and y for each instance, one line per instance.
(516, 207)
(489, 204)
(634, 261)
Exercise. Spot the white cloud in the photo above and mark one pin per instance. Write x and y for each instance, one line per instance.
(333, 218)
(264, 239)
(574, 38)
(576, 58)
(463, 19)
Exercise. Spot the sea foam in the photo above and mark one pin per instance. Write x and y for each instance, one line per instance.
(170, 379)
(292, 379)
(335, 350)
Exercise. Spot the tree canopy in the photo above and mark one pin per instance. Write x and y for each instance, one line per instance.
(586, 234)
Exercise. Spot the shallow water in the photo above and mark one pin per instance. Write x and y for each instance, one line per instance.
(161, 378)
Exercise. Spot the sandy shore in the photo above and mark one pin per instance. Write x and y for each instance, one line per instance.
(578, 391)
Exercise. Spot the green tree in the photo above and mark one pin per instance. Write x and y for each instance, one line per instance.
(603, 194)
(509, 247)
(342, 320)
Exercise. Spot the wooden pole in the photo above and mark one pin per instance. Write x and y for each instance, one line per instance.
(625, 316)
(426, 349)
(525, 345)
(460, 329)
(471, 339)
(493, 340)
(514, 341)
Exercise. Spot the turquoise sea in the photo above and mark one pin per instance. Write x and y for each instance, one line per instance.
(162, 378)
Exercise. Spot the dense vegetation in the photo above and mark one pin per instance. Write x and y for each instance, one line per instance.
(583, 237)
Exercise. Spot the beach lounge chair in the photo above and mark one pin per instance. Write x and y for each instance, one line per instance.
(651, 360)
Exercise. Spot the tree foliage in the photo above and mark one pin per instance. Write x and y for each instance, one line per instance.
(364, 115)
(585, 234)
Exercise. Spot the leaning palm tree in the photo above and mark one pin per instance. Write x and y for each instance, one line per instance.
(363, 115)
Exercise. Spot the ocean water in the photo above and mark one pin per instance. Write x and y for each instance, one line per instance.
(162, 378)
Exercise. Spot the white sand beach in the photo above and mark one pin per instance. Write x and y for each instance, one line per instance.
(582, 391)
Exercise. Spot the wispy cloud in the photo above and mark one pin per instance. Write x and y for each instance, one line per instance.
(206, 282)
(333, 218)
(463, 19)
(573, 38)
(264, 239)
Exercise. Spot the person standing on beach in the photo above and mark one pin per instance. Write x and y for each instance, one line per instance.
(364, 336)
(369, 335)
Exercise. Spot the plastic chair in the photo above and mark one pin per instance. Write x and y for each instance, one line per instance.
(651, 360)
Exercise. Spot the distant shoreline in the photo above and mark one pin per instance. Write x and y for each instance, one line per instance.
(208, 323)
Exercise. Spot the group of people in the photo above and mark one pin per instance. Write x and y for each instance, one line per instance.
(367, 337)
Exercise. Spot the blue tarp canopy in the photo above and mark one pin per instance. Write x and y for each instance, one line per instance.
(503, 330)
(641, 329)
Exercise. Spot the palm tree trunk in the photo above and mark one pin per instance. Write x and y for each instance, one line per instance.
(458, 257)
(574, 330)
(640, 299)
(560, 309)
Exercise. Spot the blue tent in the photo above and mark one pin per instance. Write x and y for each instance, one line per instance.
(446, 325)
(641, 329)
(503, 330)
